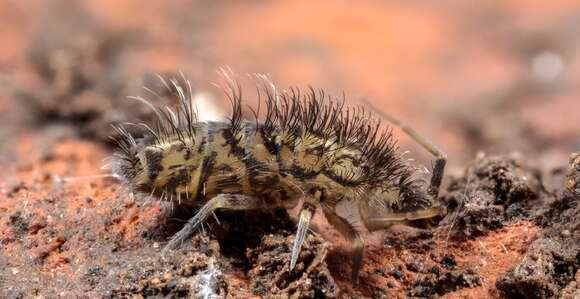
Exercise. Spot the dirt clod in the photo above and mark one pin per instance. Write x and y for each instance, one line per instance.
(492, 192)
(270, 275)
(553, 260)
(430, 286)
(573, 181)
(193, 271)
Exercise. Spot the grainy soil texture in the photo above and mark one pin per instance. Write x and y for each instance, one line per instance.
(495, 84)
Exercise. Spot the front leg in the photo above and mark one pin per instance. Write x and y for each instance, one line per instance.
(221, 201)
(377, 220)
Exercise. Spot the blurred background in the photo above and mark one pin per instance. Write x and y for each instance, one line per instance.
(499, 76)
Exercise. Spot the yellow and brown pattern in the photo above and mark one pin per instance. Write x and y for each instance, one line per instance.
(309, 147)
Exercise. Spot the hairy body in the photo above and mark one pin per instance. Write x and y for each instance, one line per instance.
(309, 148)
(277, 173)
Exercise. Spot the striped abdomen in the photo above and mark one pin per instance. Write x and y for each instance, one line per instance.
(247, 161)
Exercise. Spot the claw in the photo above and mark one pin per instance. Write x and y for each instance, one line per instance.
(306, 214)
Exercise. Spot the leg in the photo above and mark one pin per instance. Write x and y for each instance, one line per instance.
(221, 201)
(440, 156)
(385, 219)
(351, 235)
(376, 222)
(306, 214)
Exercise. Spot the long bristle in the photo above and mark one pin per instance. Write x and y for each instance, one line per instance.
(295, 112)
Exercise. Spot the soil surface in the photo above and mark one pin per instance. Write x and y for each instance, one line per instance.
(494, 86)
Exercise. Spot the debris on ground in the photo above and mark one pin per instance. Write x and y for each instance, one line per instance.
(492, 192)
(552, 263)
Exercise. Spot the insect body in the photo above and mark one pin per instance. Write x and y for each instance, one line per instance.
(307, 149)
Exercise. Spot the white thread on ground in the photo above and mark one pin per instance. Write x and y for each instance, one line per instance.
(207, 283)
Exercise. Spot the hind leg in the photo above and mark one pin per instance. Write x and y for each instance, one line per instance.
(221, 201)
(351, 235)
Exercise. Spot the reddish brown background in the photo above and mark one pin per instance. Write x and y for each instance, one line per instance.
(460, 72)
